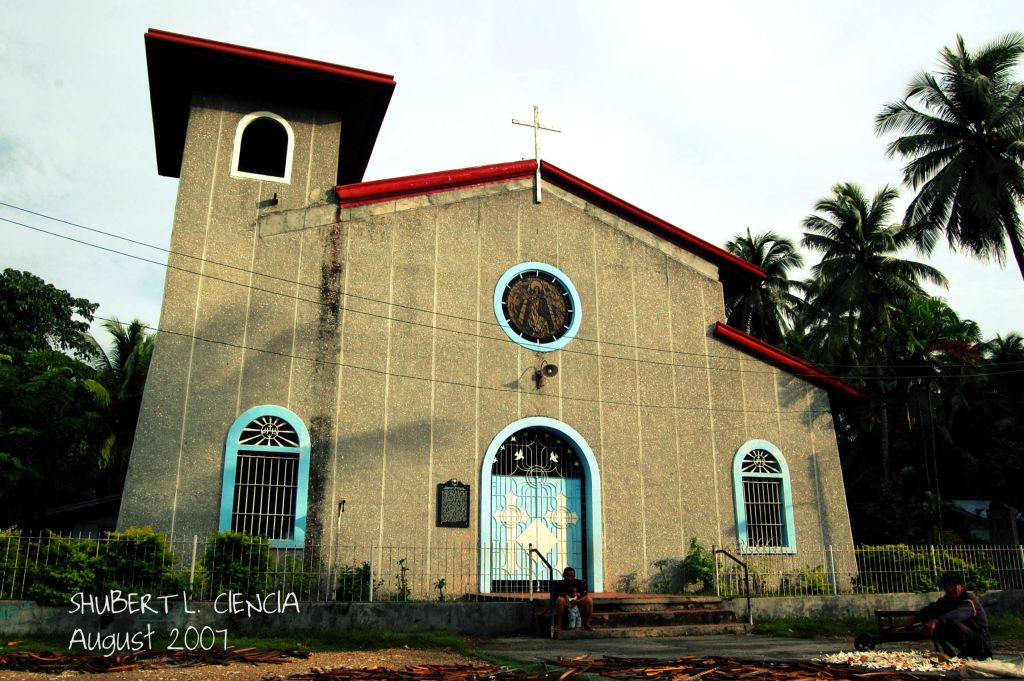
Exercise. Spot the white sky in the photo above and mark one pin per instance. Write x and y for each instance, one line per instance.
(713, 116)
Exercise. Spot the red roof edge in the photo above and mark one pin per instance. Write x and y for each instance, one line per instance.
(786, 361)
(415, 185)
(628, 211)
(427, 183)
(274, 57)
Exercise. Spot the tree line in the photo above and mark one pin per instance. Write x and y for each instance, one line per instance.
(942, 420)
(68, 407)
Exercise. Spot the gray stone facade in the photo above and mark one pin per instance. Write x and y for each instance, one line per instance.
(374, 324)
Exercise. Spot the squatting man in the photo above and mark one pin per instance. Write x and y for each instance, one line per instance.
(956, 620)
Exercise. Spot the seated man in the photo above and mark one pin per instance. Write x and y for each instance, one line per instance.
(956, 620)
(562, 598)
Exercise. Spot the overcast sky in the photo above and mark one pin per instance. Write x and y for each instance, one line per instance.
(715, 118)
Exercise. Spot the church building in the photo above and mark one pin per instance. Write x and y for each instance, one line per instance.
(493, 359)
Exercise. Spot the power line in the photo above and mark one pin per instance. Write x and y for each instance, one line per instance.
(460, 384)
(421, 310)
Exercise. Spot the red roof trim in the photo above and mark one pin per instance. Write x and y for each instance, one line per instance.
(784, 360)
(416, 185)
(623, 209)
(428, 183)
(274, 57)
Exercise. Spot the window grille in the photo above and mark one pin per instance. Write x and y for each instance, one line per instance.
(266, 479)
(764, 510)
(264, 502)
(762, 500)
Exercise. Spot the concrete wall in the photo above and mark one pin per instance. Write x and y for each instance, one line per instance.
(20, 618)
(863, 605)
(387, 348)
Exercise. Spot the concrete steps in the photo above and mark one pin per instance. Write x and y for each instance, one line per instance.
(619, 615)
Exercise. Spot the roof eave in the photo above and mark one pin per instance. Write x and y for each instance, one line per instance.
(180, 65)
(735, 271)
(782, 359)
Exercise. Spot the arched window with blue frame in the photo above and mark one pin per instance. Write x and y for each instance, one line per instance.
(266, 476)
(764, 499)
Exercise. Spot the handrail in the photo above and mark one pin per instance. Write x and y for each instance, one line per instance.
(551, 578)
(746, 580)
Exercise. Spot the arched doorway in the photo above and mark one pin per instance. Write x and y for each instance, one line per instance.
(540, 486)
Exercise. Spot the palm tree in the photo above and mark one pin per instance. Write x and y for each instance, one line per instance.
(854, 287)
(766, 311)
(963, 131)
(859, 274)
(120, 380)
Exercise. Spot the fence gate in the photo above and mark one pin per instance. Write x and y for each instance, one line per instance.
(537, 498)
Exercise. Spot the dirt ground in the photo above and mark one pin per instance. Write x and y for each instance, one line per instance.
(394, 658)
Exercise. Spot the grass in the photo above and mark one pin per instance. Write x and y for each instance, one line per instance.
(352, 639)
(811, 627)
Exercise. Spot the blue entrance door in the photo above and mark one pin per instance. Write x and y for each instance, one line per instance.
(537, 498)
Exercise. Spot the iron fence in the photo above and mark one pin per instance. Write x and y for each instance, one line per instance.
(51, 568)
(893, 568)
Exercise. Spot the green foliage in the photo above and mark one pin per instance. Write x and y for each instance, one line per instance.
(353, 583)
(64, 567)
(35, 315)
(766, 311)
(680, 576)
(235, 561)
(917, 571)
(137, 559)
(440, 585)
(403, 591)
(809, 581)
(50, 434)
(961, 134)
(699, 567)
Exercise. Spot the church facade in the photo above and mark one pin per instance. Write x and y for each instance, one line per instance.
(449, 360)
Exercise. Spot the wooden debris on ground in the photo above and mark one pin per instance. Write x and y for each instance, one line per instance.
(688, 668)
(56, 663)
(691, 667)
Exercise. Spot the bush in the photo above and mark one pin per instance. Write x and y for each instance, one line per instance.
(353, 583)
(235, 561)
(698, 566)
(917, 571)
(65, 567)
(137, 559)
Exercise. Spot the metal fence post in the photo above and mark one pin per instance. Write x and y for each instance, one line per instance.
(832, 567)
(371, 573)
(192, 571)
(1020, 549)
(714, 561)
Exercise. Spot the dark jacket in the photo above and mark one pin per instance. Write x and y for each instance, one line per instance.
(963, 609)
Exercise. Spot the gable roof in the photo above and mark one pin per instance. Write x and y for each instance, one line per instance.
(736, 273)
(782, 359)
(180, 65)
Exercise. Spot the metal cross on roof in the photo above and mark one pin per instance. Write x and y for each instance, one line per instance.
(537, 127)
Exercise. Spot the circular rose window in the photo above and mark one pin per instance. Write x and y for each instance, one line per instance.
(537, 306)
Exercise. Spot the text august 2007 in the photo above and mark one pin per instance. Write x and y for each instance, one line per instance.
(116, 602)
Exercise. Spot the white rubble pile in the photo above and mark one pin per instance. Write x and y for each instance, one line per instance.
(901, 660)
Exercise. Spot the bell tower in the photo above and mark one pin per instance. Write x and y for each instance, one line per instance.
(248, 133)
